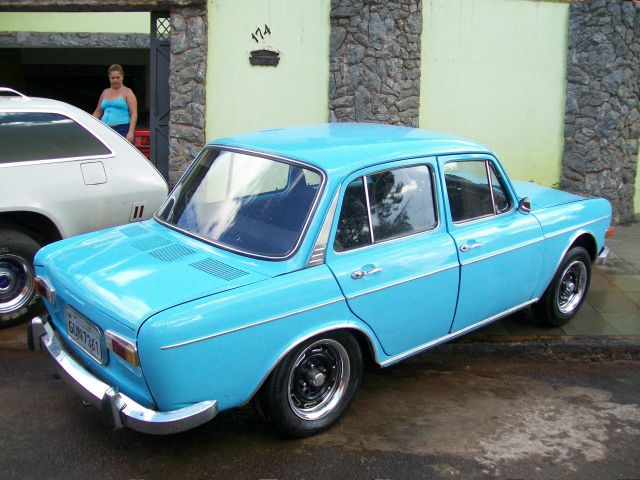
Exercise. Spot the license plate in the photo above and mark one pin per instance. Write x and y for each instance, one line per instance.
(84, 333)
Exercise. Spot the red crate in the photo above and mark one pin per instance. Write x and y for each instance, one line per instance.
(142, 142)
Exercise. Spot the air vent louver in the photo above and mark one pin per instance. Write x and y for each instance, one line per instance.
(150, 243)
(218, 269)
(171, 253)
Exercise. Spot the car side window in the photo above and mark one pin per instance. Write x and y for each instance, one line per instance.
(398, 202)
(353, 224)
(401, 202)
(27, 136)
(475, 190)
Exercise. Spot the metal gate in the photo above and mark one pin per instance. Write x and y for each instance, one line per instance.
(159, 90)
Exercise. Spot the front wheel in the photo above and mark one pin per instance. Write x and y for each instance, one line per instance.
(566, 292)
(18, 299)
(313, 385)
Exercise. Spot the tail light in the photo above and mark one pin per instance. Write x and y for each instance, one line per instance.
(122, 347)
(610, 231)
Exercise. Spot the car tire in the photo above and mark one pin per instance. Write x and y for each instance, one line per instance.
(313, 385)
(568, 289)
(18, 298)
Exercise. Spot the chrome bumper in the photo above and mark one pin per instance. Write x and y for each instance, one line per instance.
(118, 409)
(603, 255)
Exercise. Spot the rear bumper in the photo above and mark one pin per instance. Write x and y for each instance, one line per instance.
(118, 409)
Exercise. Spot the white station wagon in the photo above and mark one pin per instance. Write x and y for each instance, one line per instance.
(62, 173)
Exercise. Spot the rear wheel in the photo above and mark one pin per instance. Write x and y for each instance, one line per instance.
(313, 385)
(18, 299)
(568, 289)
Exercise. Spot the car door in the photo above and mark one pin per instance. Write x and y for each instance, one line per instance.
(499, 246)
(392, 256)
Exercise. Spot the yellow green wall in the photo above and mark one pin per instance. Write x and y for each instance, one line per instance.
(242, 97)
(94, 22)
(494, 71)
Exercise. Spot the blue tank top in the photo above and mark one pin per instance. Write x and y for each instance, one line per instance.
(116, 111)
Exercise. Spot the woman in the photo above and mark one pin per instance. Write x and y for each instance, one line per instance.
(117, 106)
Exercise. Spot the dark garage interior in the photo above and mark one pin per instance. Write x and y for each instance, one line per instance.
(75, 75)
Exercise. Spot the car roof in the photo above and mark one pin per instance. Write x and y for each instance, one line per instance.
(33, 103)
(340, 148)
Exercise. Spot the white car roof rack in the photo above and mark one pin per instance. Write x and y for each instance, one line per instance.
(11, 93)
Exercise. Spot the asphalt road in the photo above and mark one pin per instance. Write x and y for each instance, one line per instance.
(439, 416)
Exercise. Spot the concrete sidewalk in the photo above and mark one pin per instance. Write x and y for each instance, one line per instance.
(609, 319)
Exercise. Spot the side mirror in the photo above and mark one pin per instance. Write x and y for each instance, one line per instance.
(525, 205)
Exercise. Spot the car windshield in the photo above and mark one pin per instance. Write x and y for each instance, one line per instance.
(244, 202)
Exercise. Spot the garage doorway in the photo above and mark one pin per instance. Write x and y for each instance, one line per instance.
(77, 75)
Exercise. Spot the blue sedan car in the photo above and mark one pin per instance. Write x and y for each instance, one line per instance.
(284, 259)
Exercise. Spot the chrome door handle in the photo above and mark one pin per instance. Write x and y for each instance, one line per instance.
(469, 246)
(358, 274)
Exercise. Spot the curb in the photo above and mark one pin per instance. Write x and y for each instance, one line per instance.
(595, 347)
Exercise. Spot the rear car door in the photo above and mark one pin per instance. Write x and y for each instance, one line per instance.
(392, 256)
(499, 246)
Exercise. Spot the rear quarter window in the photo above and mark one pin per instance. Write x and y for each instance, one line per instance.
(28, 136)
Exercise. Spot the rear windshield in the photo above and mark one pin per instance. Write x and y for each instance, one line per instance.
(244, 202)
(27, 136)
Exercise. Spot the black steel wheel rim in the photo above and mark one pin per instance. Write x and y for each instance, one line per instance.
(318, 379)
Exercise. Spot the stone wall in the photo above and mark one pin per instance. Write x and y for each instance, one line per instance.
(75, 40)
(375, 61)
(602, 121)
(92, 5)
(187, 78)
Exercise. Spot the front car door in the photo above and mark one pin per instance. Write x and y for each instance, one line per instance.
(392, 256)
(500, 247)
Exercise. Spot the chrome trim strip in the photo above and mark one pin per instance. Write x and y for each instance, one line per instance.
(503, 251)
(576, 227)
(55, 160)
(493, 200)
(118, 409)
(255, 324)
(418, 277)
(453, 335)
(320, 248)
(290, 161)
(365, 186)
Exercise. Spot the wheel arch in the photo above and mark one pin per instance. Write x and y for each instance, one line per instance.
(587, 241)
(37, 225)
(367, 348)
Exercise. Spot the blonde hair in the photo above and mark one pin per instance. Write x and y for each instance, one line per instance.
(115, 68)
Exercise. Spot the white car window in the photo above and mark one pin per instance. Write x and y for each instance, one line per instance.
(27, 136)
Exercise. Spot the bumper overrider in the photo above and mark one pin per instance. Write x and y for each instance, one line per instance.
(118, 409)
(603, 256)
